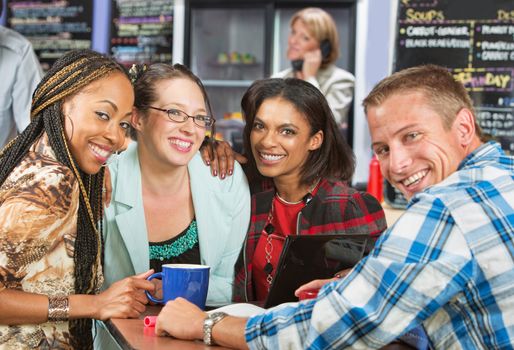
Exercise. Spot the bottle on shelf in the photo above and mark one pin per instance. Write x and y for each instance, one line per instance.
(375, 181)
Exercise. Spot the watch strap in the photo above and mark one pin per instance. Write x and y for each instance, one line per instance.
(209, 323)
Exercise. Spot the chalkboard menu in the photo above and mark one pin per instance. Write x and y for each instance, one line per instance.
(475, 40)
(53, 27)
(142, 31)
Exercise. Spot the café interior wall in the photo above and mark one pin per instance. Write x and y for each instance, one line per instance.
(373, 61)
(375, 36)
(2, 15)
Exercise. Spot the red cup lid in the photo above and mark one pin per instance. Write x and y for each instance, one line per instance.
(150, 321)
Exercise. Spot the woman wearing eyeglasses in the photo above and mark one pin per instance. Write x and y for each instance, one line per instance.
(166, 207)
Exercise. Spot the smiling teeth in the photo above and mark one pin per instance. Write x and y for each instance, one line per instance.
(271, 157)
(414, 178)
(100, 151)
(181, 144)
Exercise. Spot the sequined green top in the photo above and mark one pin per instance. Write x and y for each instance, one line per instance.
(181, 249)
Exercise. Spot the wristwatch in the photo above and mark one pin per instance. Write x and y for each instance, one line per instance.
(208, 323)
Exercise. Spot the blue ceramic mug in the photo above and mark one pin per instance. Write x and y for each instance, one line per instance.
(188, 281)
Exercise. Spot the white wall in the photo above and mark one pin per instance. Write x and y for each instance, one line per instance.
(373, 61)
(178, 31)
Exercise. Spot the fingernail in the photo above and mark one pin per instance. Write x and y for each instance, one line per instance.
(208, 163)
(230, 172)
(215, 173)
(222, 176)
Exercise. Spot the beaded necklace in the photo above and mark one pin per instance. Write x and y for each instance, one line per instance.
(269, 229)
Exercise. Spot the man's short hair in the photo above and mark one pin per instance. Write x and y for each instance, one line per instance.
(443, 93)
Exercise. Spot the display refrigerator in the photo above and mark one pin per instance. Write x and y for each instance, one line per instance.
(231, 43)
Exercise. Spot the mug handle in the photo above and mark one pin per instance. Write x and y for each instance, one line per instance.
(148, 295)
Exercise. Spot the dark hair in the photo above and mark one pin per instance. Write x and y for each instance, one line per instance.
(69, 75)
(334, 159)
(145, 78)
(444, 94)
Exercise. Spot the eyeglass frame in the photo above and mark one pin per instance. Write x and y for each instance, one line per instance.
(194, 117)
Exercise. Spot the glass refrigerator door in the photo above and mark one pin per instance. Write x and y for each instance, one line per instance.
(227, 50)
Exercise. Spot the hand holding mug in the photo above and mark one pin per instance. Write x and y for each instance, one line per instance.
(124, 298)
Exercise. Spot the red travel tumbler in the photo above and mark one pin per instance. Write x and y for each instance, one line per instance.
(375, 180)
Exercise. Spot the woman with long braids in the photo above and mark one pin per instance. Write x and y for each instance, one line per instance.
(50, 203)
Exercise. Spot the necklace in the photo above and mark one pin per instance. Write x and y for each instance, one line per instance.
(268, 249)
(269, 229)
(288, 202)
(304, 199)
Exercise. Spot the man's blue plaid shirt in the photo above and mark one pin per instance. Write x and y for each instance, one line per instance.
(448, 263)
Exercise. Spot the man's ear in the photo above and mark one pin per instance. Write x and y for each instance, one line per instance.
(135, 119)
(465, 125)
(316, 141)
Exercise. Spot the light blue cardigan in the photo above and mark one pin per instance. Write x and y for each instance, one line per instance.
(222, 210)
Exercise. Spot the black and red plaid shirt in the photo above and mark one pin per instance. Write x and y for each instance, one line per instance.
(335, 209)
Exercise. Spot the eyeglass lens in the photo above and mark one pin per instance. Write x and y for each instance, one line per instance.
(181, 116)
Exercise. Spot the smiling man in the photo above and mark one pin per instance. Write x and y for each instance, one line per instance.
(447, 264)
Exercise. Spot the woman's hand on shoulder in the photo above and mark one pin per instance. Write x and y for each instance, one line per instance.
(220, 157)
(125, 298)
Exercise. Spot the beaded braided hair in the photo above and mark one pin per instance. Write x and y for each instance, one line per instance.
(70, 74)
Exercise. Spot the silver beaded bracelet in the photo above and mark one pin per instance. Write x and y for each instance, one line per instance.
(58, 308)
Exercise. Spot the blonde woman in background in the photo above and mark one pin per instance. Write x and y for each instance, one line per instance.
(314, 40)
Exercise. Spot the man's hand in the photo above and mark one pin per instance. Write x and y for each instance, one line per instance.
(220, 157)
(180, 319)
(184, 320)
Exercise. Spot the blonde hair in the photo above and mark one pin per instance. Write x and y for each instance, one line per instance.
(321, 26)
(443, 93)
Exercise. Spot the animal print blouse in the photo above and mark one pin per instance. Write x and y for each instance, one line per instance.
(38, 221)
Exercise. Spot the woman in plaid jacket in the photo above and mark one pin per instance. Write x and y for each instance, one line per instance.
(297, 153)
